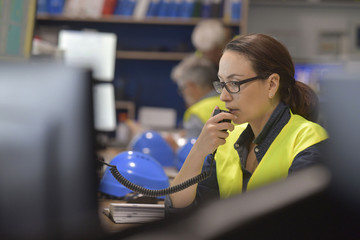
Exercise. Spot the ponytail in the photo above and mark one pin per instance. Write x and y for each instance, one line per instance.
(304, 101)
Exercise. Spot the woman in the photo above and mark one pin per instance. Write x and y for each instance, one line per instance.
(274, 132)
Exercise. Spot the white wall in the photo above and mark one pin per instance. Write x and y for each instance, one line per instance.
(299, 27)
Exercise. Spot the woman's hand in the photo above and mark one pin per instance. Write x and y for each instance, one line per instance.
(214, 133)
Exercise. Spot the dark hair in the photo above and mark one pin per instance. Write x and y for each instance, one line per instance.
(268, 56)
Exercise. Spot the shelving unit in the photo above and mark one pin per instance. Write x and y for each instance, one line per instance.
(120, 19)
(143, 55)
(156, 55)
(309, 3)
(147, 51)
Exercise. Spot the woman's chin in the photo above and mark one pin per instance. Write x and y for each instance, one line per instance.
(239, 121)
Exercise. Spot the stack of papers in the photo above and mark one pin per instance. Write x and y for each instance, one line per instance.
(136, 213)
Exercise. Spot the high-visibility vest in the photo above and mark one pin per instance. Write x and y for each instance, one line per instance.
(204, 108)
(297, 135)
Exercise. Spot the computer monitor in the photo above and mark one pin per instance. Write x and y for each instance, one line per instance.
(340, 90)
(97, 51)
(104, 107)
(48, 180)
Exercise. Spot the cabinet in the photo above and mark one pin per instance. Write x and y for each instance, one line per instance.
(147, 50)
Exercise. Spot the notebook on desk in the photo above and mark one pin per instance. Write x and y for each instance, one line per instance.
(134, 213)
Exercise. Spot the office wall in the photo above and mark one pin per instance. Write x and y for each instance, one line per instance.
(310, 31)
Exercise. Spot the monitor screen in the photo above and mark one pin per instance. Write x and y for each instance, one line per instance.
(97, 51)
(312, 73)
(340, 90)
(104, 107)
(48, 181)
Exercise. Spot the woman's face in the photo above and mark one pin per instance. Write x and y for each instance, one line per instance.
(252, 103)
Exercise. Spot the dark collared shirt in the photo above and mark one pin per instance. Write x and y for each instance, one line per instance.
(208, 189)
(278, 119)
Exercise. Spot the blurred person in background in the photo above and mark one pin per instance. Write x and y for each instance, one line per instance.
(194, 77)
(272, 134)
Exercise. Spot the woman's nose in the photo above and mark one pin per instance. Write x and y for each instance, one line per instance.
(225, 95)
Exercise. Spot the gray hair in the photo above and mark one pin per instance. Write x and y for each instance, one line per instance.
(195, 69)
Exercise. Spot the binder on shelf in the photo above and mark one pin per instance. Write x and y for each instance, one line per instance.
(72, 8)
(153, 8)
(109, 7)
(125, 7)
(92, 8)
(227, 11)
(83, 8)
(164, 8)
(178, 7)
(141, 9)
(173, 8)
(216, 9)
(236, 10)
(55, 7)
(42, 7)
(232, 10)
(130, 7)
(186, 8)
(206, 9)
(118, 7)
(197, 9)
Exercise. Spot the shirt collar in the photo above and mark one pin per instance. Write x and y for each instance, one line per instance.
(276, 121)
(275, 117)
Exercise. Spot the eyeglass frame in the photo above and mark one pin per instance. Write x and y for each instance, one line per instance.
(238, 83)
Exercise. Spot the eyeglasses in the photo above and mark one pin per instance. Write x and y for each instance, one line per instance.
(232, 86)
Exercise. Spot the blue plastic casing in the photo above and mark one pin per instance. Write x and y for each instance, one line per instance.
(183, 152)
(153, 144)
(138, 168)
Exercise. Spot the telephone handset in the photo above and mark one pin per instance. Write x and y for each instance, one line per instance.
(217, 111)
(166, 191)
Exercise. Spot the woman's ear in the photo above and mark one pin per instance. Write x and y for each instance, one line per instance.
(274, 82)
